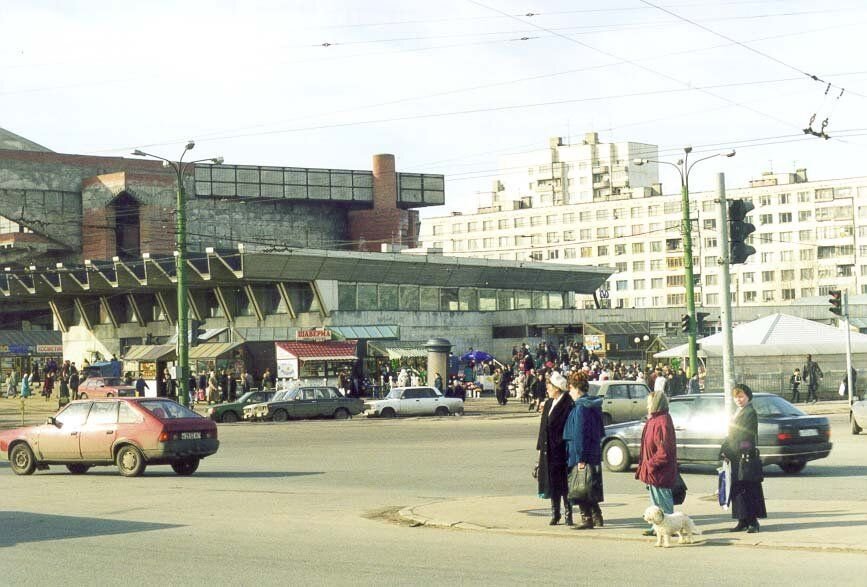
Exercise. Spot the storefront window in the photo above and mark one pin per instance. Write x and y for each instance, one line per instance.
(409, 297)
(367, 299)
(555, 300)
(388, 297)
(487, 300)
(429, 299)
(523, 300)
(449, 299)
(346, 297)
(540, 300)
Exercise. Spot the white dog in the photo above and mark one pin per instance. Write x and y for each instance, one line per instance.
(667, 524)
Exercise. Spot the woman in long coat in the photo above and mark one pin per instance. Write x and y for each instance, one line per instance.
(583, 434)
(552, 447)
(747, 497)
(657, 461)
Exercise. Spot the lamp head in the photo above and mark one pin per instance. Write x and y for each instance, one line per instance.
(639, 162)
(139, 153)
(731, 153)
(190, 145)
(687, 149)
(166, 164)
(217, 160)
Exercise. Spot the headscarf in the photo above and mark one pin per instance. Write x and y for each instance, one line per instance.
(657, 402)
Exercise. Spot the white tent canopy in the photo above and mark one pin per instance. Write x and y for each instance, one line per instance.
(775, 335)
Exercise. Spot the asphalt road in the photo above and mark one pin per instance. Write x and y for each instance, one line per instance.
(315, 502)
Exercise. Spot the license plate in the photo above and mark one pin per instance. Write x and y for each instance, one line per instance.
(808, 432)
(191, 435)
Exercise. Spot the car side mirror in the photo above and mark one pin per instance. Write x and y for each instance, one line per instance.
(53, 422)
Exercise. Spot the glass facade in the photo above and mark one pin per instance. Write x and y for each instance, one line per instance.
(354, 297)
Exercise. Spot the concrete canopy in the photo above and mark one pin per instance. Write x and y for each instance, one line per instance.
(776, 335)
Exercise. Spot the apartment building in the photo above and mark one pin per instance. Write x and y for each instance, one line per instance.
(811, 236)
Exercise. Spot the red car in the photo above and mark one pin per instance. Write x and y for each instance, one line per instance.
(94, 387)
(131, 433)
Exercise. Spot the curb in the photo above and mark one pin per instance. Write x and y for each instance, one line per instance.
(414, 519)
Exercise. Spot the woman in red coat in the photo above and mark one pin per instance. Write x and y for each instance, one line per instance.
(657, 463)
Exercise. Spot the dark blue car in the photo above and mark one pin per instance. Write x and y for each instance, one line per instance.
(787, 436)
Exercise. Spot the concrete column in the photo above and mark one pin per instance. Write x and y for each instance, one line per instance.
(437, 360)
(384, 223)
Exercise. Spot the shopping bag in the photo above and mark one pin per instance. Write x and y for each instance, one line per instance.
(724, 484)
(842, 389)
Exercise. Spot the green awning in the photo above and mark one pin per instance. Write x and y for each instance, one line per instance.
(375, 331)
(411, 350)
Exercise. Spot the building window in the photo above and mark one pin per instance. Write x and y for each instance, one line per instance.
(602, 251)
(503, 223)
(785, 217)
(637, 248)
(806, 292)
(488, 225)
(786, 237)
(638, 265)
(656, 283)
(749, 277)
(637, 229)
(676, 299)
(784, 198)
(768, 276)
(766, 219)
(619, 249)
(569, 253)
(807, 274)
(709, 224)
(656, 264)
(535, 221)
(711, 299)
(569, 235)
(621, 285)
(710, 242)
(768, 295)
(639, 284)
(654, 210)
(787, 275)
(551, 219)
(602, 232)
(788, 294)
(767, 257)
(764, 200)
(710, 279)
(674, 262)
(656, 246)
(807, 254)
(602, 214)
(749, 296)
(672, 244)
(619, 231)
(520, 221)
(804, 215)
(438, 229)
(553, 254)
(803, 198)
(674, 281)
(845, 270)
(824, 194)
(586, 252)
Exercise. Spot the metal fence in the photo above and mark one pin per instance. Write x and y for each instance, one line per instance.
(778, 383)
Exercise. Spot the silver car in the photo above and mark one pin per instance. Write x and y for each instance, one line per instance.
(622, 401)
(858, 417)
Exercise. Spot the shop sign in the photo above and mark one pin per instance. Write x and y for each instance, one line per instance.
(19, 349)
(595, 343)
(313, 334)
(287, 369)
(49, 349)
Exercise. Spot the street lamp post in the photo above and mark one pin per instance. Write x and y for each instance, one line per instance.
(182, 370)
(684, 167)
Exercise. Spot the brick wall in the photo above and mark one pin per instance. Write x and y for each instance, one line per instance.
(385, 223)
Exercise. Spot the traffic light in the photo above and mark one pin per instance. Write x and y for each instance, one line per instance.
(739, 230)
(836, 301)
(196, 330)
(699, 320)
(684, 323)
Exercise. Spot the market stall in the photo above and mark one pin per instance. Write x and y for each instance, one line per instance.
(149, 360)
(315, 361)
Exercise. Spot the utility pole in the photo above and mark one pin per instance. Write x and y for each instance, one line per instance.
(725, 309)
(849, 381)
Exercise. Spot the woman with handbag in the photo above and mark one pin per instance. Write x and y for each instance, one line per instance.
(583, 434)
(657, 460)
(552, 447)
(739, 448)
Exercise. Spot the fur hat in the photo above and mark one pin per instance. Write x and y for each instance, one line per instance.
(558, 381)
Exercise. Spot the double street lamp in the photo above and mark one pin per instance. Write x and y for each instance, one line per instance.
(684, 167)
(182, 370)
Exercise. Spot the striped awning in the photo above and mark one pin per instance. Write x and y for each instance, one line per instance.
(373, 331)
(212, 350)
(150, 352)
(399, 351)
(329, 350)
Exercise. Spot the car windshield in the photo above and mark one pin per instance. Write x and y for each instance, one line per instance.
(394, 394)
(168, 410)
(594, 389)
(246, 397)
(281, 396)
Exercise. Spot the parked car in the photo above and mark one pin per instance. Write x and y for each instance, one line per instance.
(234, 411)
(96, 386)
(414, 401)
(305, 402)
(622, 401)
(787, 436)
(131, 433)
(858, 417)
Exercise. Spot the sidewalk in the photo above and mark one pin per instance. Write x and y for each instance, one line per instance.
(791, 524)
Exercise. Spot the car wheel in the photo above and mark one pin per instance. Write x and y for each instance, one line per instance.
(77, 469)
(281, 416)
(442, 411)
(607, 420)
(616, 456)
(109, 394)
(853, 425)
(388, 413)
(341, 414)
(792, 467)
(21, 459)
(130, 462)
(229, 417)
(186, 467)
(82, 396)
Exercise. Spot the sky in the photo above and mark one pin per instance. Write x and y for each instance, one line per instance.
(446, 86)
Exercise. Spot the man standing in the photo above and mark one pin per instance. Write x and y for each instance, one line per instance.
(140, 386)
(811, 375)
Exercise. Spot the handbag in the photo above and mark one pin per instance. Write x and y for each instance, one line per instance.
(750, 466)
(678, 492)
(580, 483)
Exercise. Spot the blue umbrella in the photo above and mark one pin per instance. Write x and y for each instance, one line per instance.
(476, 356)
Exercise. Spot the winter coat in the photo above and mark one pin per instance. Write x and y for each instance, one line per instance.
(657, 462)
(584, 431)
(552, 447)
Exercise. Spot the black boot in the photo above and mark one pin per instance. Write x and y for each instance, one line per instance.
(742, 525)
(555, 512)
(597, 515)
(586, 519)
(753, 527)
(568, 521)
